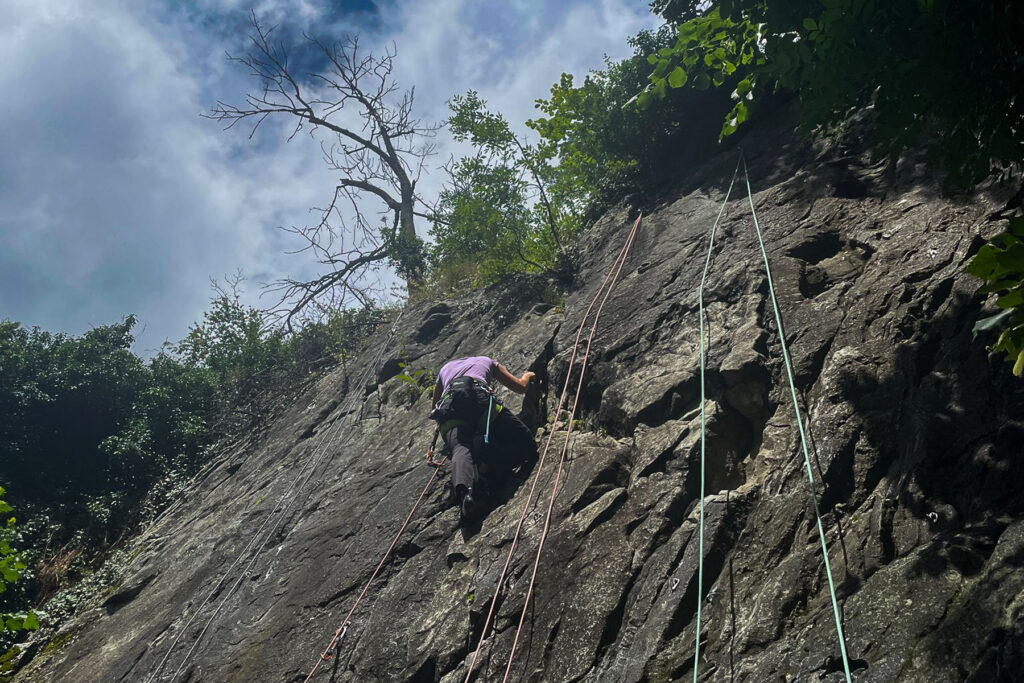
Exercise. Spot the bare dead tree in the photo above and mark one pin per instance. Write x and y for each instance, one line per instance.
(378, 148)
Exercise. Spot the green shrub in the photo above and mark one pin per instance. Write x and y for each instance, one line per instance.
(1001, 264)
(97, 441)
(496, 215)
(15, 613)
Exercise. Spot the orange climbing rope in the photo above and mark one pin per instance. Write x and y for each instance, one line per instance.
(611, 276)
(565, 446)
(606, 287)
(331, 648)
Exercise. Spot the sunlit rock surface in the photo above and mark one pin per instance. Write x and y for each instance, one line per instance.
(916, 442)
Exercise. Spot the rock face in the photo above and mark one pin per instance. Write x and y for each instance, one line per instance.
(916, 441)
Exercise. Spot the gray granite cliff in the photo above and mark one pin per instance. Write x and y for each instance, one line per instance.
(916, 439)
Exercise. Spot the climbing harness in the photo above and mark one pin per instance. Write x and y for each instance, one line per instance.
(613, 271)
(565, 446)
(462, 404)
(274, 520)
(799, 421)
(332, 648)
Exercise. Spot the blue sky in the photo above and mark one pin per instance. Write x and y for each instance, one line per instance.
(116, 197)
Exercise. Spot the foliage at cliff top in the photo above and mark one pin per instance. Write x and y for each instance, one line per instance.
(940, 71)
(516, 204)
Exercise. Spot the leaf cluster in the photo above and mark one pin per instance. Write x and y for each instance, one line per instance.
(12, 570)
(418, 381)
(708, 52)
(1001, 264)
(420, 378)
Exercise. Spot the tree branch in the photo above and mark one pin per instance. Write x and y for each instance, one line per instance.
(379, 148)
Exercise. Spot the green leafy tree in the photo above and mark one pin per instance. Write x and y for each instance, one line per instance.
(245, 352)
(602, 147)
(233, 341)
(96, 441)
(937, 69)
(590, 135)
(486, 223)
(89, 428)
(63, 396)
(497, 216)
(490, 133)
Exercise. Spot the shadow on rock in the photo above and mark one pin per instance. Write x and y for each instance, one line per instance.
(946, 423)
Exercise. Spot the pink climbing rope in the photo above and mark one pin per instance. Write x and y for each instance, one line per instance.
(565, 446)
(612, 272)
(328, 652)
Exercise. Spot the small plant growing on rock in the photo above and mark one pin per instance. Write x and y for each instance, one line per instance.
(419, 381)
(422, 378)
(1001, 264)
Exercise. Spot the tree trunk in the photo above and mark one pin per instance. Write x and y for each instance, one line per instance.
(407, 238)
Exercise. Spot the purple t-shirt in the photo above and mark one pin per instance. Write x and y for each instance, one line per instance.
(477, 367)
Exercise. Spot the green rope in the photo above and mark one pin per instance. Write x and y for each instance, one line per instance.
(796, 408)
(799, 424)
(700, 529)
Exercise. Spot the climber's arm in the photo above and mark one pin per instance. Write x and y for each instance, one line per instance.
(507, 379)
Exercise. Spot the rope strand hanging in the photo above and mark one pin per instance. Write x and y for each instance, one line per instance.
(703, 421)
(331, 648)
(565, 446)
(547, 448)
(799, 420)
(276, 516)
(800, 426)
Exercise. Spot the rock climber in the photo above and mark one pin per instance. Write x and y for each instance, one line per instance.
(482, 435)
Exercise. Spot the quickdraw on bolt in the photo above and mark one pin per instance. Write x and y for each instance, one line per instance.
(431, 459)
(332, 650)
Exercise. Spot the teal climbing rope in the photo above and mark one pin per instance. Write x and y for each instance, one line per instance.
(796, 407)
(490, 406)
(799, 424)
(703, 420)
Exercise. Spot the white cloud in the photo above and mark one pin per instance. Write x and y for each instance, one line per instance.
(116, 198)
(119, 198)
(511, 53)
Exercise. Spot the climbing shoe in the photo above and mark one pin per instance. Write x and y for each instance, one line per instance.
(468, 508)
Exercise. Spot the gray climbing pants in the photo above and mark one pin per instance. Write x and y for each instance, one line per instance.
(511, 444)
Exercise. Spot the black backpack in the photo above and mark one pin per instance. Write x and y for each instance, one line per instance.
(466, 399)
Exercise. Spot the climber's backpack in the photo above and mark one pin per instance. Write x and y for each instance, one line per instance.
(466, 399)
